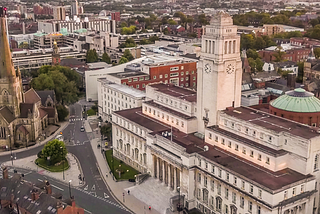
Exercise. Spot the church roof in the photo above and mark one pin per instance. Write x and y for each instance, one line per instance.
(7, 114)
(25, 108)
(50, 110)
(45, 94)
(31, 96)
(298, 100)
(42, 113)
(22, 128)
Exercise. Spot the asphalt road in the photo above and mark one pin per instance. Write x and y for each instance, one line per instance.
(93, 196)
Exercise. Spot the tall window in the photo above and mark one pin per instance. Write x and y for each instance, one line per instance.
(225, 47)
(316, 162)
(5, 97)
(218, 203)
(234, 46)
(229, 47)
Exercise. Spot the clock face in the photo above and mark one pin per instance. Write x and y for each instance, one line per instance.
(230, 69)
(207, 68)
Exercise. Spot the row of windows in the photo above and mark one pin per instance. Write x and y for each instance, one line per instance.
(294, 192)
(227, 178)
(248, 131)
(124, 105)
(237, 148)
(166, 81)
(217, 202)
(163, 116)
(172, 102)
(123, 97)
(135, 79)
(134, 128)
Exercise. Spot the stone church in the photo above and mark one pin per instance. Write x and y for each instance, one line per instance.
(23, 116)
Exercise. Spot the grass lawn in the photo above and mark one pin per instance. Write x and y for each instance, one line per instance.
(127, 171)
(43, 164)
(91, 112)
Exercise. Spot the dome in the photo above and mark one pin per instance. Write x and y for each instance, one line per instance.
(298, 100)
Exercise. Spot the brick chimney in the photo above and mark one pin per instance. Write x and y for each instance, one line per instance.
(5, 173)
(35, 195)
(48, 188)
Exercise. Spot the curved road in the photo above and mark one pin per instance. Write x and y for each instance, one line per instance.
(93, 196)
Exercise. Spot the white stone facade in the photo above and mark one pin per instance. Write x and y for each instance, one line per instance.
(224, 158)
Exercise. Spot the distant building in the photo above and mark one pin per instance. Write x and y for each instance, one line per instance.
(294, 54)
(272, 29)
(115, 16)
(59, 13)
(74, 8)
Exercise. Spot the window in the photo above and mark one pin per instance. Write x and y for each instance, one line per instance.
(174, 74)
(293, 191)
(302, 188)
(182, 124)
(260, 193)
(285, 195)
(199, 177)
(154, 77)
(244, 150)
(212, 185)
(222, 141)
(182, 73)
(199, 162)
(251, 153)
(270, 139)
(216, 138)
(232, 125)
(210, 136)
(135, 79)
(227, 176)
(234, 198)
(259, 157)
(160, 76)
(205, 181)
(130, 80)
(258, 210)
(137, 86)
(218, 204)
(226, 209)
(206, 164)
(220, 173)
(187, 72)
(267, 160)
(241, 201)
(166, 75)
(219, 189)
(247, 130)
(212, 169)
(194, 78)
(251, 189)
(174, 68)
(316, 162)
(261, 136)
(243, 185)
(250, 206)
(229, 144)
(254, 133)
(235, 181)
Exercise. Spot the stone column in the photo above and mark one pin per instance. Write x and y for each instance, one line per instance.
(164, 171)
(169, 175)
(154, 159)
(174, 178)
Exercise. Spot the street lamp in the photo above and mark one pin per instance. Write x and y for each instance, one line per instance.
(62, 161)
(178, 188)
(70, 187)
(10, 149)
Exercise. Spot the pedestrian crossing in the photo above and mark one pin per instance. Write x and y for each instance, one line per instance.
(103, 199)
(75, 119)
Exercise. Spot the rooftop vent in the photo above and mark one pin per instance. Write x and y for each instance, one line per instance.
(206, 148)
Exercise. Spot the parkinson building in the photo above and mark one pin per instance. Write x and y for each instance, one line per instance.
(224, 158)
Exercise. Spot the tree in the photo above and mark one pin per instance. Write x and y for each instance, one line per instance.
(314, 22)
(260, 43)
(252, 64)
(63, 112)
(279, 54)
(128, 43)
(128, 30)
(144, 42)
(172, 22)
(106, 58)
(247, 41)
(127, 54)
(283, 73)
(152, 39)
(92, 56)
(251, 53)
(259, 64)
(123, 60)
(165, 31)
(106, 130)
(316, 52)
(55, 150)
(153, 17)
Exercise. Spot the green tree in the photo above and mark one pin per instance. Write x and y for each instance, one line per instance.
(251, 53)
(260, 43)
(172, 22)
(55, 150)
(252, 64)
(316, 52)
(127, 54)
(63, 112)
(152, 39)
(314, 22)
(42, 82)
(247, 41)
(202, 19)
(106, 130)
(153, 17)
(123, 24)
(144, 42)
(92, 56)
(106, 58)
(259, 64)
(123, 60)
(128, 43)
(279, 54)
(283, 73)
(165, 31)
(128, 30)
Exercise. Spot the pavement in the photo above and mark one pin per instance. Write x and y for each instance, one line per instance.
(118, 189)
(70, 174)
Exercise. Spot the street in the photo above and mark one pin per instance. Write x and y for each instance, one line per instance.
(93, 195)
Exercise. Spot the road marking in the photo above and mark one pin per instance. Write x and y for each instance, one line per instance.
(86, 188)
(57, 187)
(27, 173)
(40, 180)
(93, 187)
(105, 195)
(93, 193)
(87, 211)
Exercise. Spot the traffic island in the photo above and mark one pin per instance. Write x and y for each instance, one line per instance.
(120, 170)
(57, 167)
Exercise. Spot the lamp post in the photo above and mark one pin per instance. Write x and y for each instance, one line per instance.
(70, 187)
(10, 150)
(62, 162)
(112, 158)
(178, 188)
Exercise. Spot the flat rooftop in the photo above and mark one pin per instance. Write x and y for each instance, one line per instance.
(272, 122)
(123, 88)
(176, 91)
(163, 60)
(192, 144)
(128, 74)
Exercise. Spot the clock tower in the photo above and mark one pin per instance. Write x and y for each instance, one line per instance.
(219, 70)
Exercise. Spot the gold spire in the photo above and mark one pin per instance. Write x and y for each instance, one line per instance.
(6, 64)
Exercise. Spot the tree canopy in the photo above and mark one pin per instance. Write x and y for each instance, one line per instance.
(128, 30)
(64, 81)
(128, 43)
(106, 130)
(56, 150)
(106, 58)
(92, 56)
(127, 54)
(123, 60)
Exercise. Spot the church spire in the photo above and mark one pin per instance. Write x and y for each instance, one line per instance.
(6, 64)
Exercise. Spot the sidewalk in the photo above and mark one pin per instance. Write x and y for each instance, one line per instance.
(70, 174)
(118, 188)
(62, 127)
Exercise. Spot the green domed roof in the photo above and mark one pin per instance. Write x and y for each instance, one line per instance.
(297, 100)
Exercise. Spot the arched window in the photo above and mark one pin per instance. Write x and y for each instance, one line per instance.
(205, 195)
(316, 162)
(5, 97)
(233, 209)
(218, 204)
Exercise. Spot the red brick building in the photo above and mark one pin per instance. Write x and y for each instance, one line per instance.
(178, 72)
(115, 16)
(305, 41)
(295, 55)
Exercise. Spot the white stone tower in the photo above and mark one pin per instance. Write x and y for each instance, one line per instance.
(219, 70)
